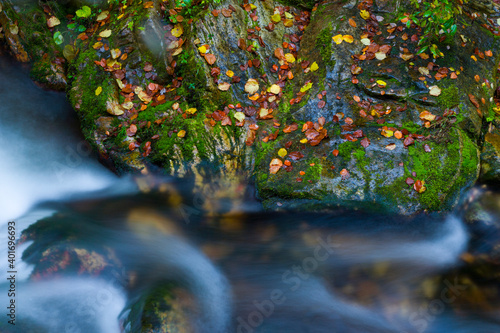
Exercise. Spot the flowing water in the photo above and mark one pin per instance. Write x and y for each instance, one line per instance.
(96, 247)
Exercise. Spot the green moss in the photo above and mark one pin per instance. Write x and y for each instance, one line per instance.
(314, 172)
(347, 149)
(449, 97)
(324, 44)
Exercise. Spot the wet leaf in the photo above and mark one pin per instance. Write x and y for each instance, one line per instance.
(426, 115)
(102, 16)
(276, 18)
(390, 146)
(224, 86)
(380, 56)
(345, 174)
(314, 67)
(105, 34)
(252, 86)
(98, 91)
(419, 186)
(53, 21)
(69, 52)
(364, 14)
(295, 155)
(181, 133)
(352, 23)
(434, 91)
(240, 116)
(177, 31)
(306, 87)
(337, 39)
(282, 152)
(275, 89)
(191, 110)
(131, 130)
(348, 38)
(365, 41)
(473, 100)
(210, 58)
(409, 181)
(381, 83)
(290, 58)
(275, 165)
(365, 142)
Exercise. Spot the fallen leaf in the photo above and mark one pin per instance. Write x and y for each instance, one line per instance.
(380, 56)
(102, 16)
(352, 23)
(105, 33)
(181, 133)
(381, 83)
(335, 152)
(98, 91)
(282, 152)
(419, 186)
(365, 142)
(53, 21)
(365, 41)
(290, 58)
(252, 86)
(314, 67)
(426, 115)
(434, 91)
(364, 14)
(131, 130)
(191, 110)
(224, 86)
(345, 174)
(390, 146)
(275, 89)
(210, 58)
(337, 39)
(275, 165)
(177, 31)
(240, 116)
(348, 38)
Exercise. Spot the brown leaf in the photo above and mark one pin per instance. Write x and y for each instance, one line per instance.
(295, 155)
(365, 142)
(473, 100)
(275, 165)
(210, 58)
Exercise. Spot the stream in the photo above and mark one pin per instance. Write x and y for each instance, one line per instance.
(96, 246)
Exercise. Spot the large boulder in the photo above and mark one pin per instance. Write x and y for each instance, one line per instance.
(322, 105)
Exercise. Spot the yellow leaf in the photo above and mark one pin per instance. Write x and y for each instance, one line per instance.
(224, 86)
(381, 83)
(191, 110)
(275, 165)
(314, 67)
(97, 45)
(337, 39)
(115, 53)
(290, 58)
(98, 91)
(105, 34)
(240, 116)
(252, 86)
(177, 31)
(276, 18)
(364, 14)
(229, 73)
(348, 38)
(365, 41)
(181, 133)
(289, 16)
(53, 21)
(263, 112)
(303, 141)
(202, 49)
(282, 152)
(275, 89)
(473, 58)
(434, 91)
(103, 15)
(306, 87)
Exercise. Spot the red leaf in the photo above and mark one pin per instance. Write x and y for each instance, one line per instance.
(365, 142)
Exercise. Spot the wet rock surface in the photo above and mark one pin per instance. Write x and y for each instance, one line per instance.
(344, 111)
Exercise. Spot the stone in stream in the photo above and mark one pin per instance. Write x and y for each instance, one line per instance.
(157, 91)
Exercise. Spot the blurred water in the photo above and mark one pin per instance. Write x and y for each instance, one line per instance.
(246, 271)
